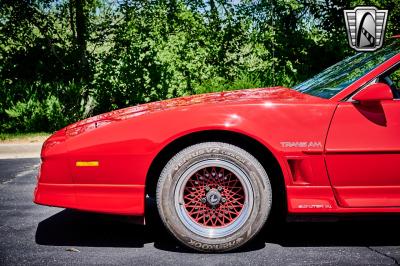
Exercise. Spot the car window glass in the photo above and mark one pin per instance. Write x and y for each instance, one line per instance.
(392, 78)
(395, 78)
(337, 77)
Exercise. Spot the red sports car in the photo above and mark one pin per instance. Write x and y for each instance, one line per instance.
(217, 163)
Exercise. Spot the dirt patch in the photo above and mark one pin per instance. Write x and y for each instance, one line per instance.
(24, 139)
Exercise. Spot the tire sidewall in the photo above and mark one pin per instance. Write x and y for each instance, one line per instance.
(257, 177)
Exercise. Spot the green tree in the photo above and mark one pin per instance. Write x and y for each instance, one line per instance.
(63, 60)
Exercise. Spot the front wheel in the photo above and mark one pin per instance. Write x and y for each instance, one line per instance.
(214, 196)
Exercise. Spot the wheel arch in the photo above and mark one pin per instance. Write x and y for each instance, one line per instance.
(251, 145)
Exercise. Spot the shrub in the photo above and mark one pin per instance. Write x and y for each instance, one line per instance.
(244, 81)
(34, 115)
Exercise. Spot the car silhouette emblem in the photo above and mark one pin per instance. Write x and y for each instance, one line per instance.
(365, 27)
(213, 197)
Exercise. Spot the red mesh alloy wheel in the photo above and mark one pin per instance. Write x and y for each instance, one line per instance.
(213, 197)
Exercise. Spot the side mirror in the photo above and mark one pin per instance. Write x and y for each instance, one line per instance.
(374, 93)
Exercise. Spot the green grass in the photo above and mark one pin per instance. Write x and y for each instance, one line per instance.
(29, 137)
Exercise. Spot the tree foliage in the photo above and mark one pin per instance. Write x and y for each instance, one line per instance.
(63, 60)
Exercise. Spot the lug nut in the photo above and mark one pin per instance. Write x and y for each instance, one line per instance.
(203, 200)
(207, 188)
(223, 199)
(219, 188)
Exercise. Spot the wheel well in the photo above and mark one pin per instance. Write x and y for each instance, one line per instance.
(254, 147)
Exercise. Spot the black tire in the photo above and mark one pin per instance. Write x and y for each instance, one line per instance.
(256, 214)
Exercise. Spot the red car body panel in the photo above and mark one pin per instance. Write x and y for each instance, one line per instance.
(335, 156)
(363, 154)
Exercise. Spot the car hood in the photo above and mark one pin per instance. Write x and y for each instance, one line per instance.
(272, 95)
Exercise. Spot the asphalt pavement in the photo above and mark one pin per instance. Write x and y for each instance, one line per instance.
(40, 235)
(20, 150)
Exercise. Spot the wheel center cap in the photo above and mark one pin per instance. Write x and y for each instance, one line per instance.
(213, 197)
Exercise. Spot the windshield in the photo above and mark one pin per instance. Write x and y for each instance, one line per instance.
(337, 77)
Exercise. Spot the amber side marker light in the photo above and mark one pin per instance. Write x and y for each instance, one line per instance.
(87, 163)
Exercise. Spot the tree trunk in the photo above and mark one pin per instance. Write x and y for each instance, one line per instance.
(71, 18)
(81, 35)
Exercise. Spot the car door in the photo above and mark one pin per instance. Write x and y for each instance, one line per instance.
(363, 154)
